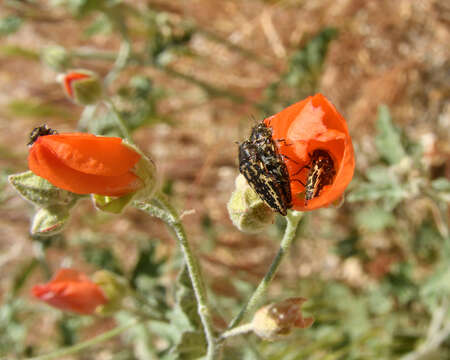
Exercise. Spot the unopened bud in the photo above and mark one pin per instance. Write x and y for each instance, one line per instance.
(56, 57)
(246, 209)
(49, 221)
(275, 321)
(82, 86)
(40, 192)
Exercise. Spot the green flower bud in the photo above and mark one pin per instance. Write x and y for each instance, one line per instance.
(82, 86)
(49, 221)
(246, 209)
(56, 57)
(115, 288)
(40, 192)
(275, 321)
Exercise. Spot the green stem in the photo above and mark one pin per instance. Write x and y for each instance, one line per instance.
(85, 344)
(210, 89)
(160, 207)
(293, 218)
(242, 51)
(86, 116)
(121, 61)
(142, 61)
(238, 330)
(119, 121)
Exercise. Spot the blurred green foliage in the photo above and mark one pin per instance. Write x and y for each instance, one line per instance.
(9, 25)
(386, 315)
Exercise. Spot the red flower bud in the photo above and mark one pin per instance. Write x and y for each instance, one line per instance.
(68, 80)
(85, 163)
(301, 129)
(71, 290)
(82, 86)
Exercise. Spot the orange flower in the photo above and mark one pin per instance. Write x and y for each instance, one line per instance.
(85, 163)
(309, 125)
(71, 290)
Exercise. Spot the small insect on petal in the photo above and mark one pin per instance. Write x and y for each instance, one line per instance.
(315, 144)
(264, 168)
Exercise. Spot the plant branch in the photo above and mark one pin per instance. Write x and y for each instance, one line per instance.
(437, 334)
(160, 207)
(238, 330)
(293, 219)
(119, 121)
(85, 344)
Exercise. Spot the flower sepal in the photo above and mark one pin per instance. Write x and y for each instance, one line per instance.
(50, 221)
(40, 192)
(115, 288)
(110, 204)
(247, 210)
(145, 170)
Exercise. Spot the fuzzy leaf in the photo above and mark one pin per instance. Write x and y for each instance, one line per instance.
(373, 218)
(192, 346)
(9, 25)
(147, 265)
(186, 299)
(388, 141)
(442, 186)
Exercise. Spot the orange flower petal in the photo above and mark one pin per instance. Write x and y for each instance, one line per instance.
(44, 163)
(308, 125)
(91, 154)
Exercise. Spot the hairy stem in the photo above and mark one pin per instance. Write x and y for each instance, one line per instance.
(238, 330)
(160, 207)
(293, 218)
(119, 121)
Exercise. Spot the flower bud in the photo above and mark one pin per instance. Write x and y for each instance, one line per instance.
(56, 57)
(115, 288)
(82, 86)
(71, 290)
(274, 321)
(41, 192)
(50, 221)
(246, 209)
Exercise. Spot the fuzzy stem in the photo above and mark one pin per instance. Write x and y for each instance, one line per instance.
(293, 218)
(160, 207)
(119, 121)
(238, 330)
(85, 344)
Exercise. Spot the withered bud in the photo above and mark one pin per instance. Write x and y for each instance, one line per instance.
(274, 321)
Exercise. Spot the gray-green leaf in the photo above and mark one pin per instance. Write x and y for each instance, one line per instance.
(192, 346)
(388, 141)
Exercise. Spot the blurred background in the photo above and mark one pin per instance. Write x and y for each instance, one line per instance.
(191, 78)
